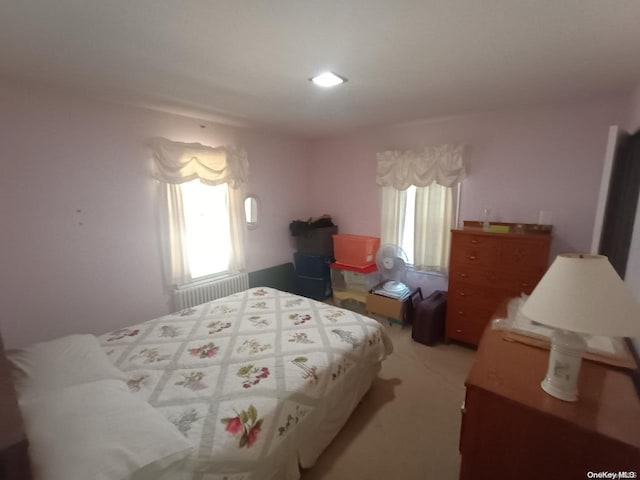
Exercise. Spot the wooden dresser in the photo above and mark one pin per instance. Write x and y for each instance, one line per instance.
(512, 429)
(485, 269)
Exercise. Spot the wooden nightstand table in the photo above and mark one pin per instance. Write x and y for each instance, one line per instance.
(396, 311)
(511, 429)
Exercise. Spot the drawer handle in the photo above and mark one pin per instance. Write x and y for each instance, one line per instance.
(463, 275)
(525, 284)
(474, 241)
(462, 294)
(472, 257)
(458, 330)
(461, 313)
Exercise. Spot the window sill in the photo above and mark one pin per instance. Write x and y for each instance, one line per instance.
(206, 279)
(434, 273)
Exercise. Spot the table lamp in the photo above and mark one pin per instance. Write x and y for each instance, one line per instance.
(579, 294)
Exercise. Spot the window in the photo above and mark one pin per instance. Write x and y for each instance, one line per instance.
(420, 192)
(407, 240)
(207, 231)
(419, 220)
(201, 209)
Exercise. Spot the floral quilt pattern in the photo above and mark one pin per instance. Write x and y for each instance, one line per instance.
(241, 376)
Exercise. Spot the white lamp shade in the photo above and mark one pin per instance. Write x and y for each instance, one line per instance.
(583, 293)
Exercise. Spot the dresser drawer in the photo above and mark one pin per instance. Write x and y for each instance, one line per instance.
(472, 296)
(523, 255)
(467, 331)
(458, 314)
(468, 312)
(524, 283)
(473, 250)
(511, 280)
(479, 275)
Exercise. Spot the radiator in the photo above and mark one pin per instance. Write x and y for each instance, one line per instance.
(204, 291)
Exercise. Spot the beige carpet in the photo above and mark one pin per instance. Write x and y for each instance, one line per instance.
(407, 425)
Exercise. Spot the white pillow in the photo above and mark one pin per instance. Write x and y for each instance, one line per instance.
(98, 431)
(60, 363)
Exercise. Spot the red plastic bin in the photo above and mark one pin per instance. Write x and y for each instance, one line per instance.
(355, 250)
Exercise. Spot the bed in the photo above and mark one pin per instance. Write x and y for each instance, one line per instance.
(257, 383)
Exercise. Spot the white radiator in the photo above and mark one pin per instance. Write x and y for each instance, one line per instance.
(206, 290)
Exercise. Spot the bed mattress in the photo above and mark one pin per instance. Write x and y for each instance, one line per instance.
(260, 382)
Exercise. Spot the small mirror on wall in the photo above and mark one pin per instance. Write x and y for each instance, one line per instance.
(251, 211)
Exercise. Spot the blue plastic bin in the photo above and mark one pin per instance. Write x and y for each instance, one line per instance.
(312, 265)
(316, 288)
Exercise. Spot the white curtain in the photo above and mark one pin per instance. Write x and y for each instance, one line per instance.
(442, 164)
(434, 172)
(394, 204)
(177, 163)
(433, 218)
(237, 228)
(174, 255)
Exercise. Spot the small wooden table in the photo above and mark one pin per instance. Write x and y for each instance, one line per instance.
(511, 428)
(398, 311)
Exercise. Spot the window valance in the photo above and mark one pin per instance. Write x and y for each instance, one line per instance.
(442, 164)
(177, 162)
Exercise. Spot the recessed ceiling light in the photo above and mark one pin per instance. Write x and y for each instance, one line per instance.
(328, 79)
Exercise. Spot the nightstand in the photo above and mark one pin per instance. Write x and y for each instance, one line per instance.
(396, 311)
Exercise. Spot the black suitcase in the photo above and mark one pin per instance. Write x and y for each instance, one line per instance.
(428, 322)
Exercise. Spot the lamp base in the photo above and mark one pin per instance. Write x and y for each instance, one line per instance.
(564, 365)
(568, 396)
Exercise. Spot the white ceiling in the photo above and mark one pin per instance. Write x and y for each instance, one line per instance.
(248, 61)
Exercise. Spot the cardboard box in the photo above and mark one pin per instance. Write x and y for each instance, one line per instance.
(385, 306)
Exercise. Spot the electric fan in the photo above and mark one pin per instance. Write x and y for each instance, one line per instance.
(392, 264)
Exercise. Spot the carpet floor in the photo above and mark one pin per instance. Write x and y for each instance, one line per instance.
(407, 426)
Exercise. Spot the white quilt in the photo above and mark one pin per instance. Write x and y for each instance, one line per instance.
(260, 381)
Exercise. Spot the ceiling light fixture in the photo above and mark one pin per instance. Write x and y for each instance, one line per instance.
(328, 79)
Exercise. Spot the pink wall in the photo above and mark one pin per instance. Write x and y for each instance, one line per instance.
(519, 162)
(79, 246)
